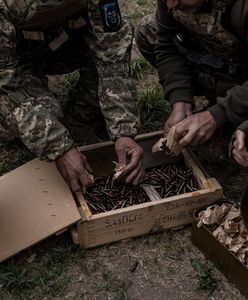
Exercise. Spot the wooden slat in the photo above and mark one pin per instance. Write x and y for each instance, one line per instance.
(171, 143)
(143, 218)
(199, 175)
(151, 192)
(84, 208)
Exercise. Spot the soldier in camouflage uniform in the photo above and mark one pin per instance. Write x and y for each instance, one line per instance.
(200, 48)
(55, 37)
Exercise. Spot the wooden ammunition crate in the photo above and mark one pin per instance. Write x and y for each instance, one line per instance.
(150, 217)
(36, 203)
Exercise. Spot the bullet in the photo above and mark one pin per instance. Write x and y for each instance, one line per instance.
(168, 180)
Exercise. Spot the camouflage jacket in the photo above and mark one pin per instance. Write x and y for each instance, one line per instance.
(110, 51)
(221, 33)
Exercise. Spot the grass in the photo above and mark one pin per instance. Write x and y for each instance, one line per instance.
(205, 278)
(139, 66)
(111, 283)
(153, 109)
(45, 275)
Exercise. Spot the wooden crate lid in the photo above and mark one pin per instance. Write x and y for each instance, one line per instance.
(35, 203)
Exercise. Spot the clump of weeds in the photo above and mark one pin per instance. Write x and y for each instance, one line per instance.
(153, 109)
(205, 277)
(139, 66)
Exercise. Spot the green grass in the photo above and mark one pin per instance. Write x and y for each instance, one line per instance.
(153, 109)
(139, 66)
(46, 275)
(205, 277)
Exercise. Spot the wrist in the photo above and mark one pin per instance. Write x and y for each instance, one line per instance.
(219, 115)
(181, 105)
(243, 127)
(210, 118)
(72, 149)
(123, 137)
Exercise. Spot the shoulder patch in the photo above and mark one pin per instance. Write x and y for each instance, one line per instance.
(111, 16)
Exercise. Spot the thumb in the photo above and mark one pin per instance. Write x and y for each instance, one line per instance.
(240, 139)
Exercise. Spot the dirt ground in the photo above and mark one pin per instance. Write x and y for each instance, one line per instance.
(164, 266)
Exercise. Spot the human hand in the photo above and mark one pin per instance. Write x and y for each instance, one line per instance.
(74, 168)
(195, 129)
(239, 151)
(180, 110)
(130, 155)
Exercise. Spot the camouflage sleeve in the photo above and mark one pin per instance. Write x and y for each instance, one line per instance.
(28, 109)
(110, 41)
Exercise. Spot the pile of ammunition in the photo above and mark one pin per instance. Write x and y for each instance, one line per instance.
(168, 180)
(172, 179)
(108, 194)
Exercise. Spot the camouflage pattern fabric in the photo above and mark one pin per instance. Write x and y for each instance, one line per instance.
(145, 36)
(28, 109)
(117, 91)
(184, 48)
(204, 83)
(210, 34)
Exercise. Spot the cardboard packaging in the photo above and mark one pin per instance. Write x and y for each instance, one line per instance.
(225, 260)
(36, 203)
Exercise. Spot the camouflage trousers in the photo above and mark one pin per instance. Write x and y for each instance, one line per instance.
(206, 82)
(80, 113)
